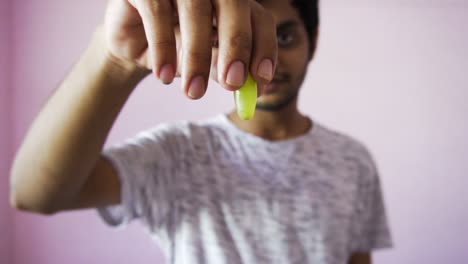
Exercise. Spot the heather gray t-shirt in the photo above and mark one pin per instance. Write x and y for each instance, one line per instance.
(209, 192)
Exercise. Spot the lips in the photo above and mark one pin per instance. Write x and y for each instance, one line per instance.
(280, 78)
(271, 87)
(275, 84)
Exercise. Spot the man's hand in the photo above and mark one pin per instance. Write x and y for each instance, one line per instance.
(175, 38)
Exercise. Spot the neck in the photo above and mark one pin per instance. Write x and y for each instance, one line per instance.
(283, 124)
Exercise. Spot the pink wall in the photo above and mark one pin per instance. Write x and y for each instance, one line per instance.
(394, 77)
(5, 126)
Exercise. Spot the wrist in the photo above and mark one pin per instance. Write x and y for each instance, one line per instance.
(116, 68)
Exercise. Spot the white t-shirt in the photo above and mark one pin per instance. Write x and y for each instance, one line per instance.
(208, 192)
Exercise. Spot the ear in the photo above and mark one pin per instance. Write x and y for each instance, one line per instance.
(314, 44)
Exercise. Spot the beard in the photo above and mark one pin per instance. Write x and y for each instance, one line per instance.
(291, 96)
(276, 106)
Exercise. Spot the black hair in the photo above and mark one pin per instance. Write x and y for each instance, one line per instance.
(309, 12)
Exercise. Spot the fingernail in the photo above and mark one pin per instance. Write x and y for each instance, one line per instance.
(196, 87)
(265, 69)
(236, 74)
(166, 74)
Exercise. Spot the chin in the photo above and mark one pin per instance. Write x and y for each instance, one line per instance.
(272, 105)
(267, 102)
(275, 101)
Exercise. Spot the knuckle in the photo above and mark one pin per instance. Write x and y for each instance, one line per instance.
(242, 41)
(270, 49)
(197, 8)
(269, 18)
(154, 6)
(165, 44)
(198, 56)
(267, 22)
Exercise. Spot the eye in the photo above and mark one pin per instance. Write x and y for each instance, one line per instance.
(284, 38)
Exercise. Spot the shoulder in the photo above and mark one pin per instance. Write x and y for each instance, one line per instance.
(343, 141)
(349, 148)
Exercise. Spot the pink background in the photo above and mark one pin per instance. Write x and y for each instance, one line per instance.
(5, 128)
(393, 74)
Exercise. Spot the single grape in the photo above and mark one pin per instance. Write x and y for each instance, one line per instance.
(246, 98)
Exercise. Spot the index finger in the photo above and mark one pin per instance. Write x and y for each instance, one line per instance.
(157, 17)
(195, 18)
(235, 41)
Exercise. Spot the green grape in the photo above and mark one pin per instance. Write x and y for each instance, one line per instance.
(246, 98)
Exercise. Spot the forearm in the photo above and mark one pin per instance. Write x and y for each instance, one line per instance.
(66, 138)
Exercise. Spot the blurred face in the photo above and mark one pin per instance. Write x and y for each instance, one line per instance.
(293, 57)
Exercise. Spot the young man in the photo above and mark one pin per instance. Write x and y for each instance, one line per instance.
(279, 188)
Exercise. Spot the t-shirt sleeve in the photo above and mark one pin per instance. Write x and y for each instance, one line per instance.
(370, 227)
(143, 164)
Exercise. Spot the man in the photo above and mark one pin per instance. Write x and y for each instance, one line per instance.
(279, 188)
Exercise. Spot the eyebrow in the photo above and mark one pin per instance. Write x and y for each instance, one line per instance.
(286, 25)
